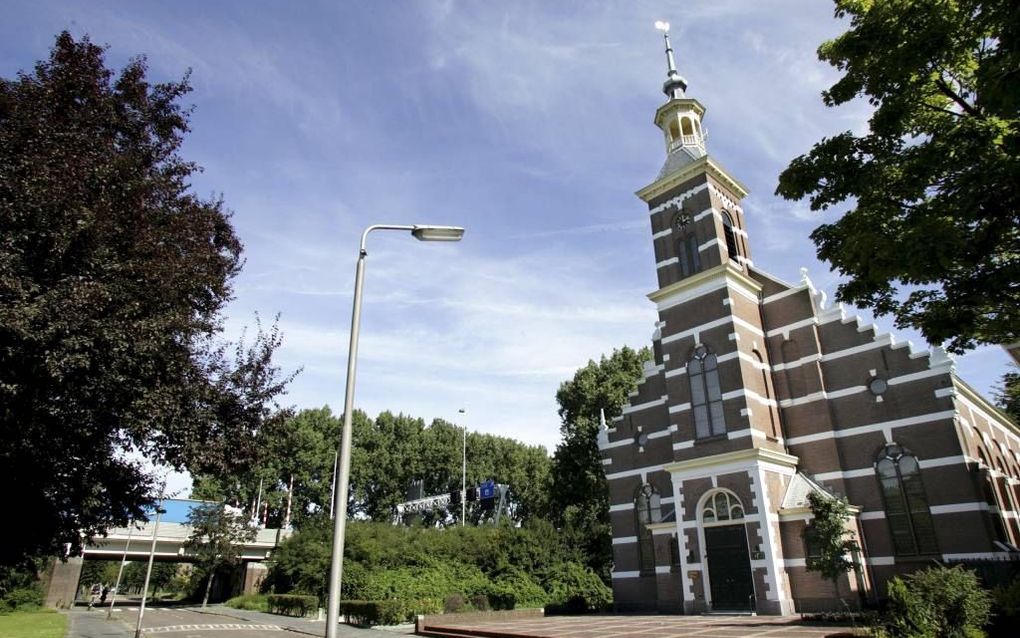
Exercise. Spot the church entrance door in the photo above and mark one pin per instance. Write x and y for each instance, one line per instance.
(729, 568)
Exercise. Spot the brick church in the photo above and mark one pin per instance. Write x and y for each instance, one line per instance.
(760, 394)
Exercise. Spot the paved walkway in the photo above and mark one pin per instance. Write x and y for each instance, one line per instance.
(633, 626)
(169, 621)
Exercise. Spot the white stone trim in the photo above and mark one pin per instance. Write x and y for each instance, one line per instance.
(956, 508)
(630, 409)
(620, 575)
(676, 201)
(872, 515)
(667, 262)
(879, 561)
(693, 332)
(624, 540)
(662, 569)
(883, 426)
(662, 233)
(785, 294)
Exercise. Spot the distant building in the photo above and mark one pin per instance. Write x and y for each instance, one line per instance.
(759, 394)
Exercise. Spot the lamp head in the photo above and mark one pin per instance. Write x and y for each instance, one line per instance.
(437, 233)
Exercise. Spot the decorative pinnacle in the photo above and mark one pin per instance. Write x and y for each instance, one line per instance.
(675, 85)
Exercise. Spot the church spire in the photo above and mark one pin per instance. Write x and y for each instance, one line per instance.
(680, 117)
(675, 84)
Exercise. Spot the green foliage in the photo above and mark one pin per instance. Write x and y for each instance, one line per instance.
(384, 612)
(1007, 395)
(1007, 602)
(579, 497)
(937, 602)
(830, 538)
(217, 539)
(44, 623)
(19, 587)
(575, 588)
(250, 602)
(933, 231)
(291, 604)
(112, 280)
(423, 568)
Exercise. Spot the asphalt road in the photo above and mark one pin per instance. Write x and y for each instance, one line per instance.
(213, 622)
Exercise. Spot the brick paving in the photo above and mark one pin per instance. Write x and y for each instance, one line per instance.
(631, 626)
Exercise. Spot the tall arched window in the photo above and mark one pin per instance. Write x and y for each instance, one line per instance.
(686, 244)
(648, 510)
(706, 395)
(774, 426)
(991, 495)
(906, 506)
(731, 238)
(721, 506)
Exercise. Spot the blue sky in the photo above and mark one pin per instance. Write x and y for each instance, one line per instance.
(528, 123)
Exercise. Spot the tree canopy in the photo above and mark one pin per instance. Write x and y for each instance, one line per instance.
(579, 498)
(113, 276)
(932, 235)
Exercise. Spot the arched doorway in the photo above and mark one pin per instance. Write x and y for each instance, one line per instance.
(726, 552)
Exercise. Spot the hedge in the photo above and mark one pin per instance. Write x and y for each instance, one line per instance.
(386, 612)
(292, 604)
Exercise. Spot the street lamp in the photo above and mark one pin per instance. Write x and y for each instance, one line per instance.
(463, 475)
(152, 554)
(420, 232)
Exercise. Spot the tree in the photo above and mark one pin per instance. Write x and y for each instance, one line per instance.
(218, 534)
(112, 280)
(1007, 395)
(933, 231)
(579, 497)
(831, 543)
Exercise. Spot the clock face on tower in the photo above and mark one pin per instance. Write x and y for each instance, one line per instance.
(681, 220)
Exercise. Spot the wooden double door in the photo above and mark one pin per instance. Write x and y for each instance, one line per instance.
(729, 568)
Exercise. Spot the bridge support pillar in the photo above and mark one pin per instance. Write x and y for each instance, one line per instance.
(63, 582)
(254, 574)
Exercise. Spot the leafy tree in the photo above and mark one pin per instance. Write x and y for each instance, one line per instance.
(112, 279)
(218, 534)
(832, 543)
(939, 602)
(1007, 395)
(579, 498)
(933, 231)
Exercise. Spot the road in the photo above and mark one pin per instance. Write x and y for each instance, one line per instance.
(214, 622)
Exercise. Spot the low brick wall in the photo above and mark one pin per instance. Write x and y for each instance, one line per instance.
(422, 623)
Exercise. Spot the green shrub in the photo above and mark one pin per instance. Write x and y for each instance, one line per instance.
(937, 602)
(576, 589)
(386, 612)
(453, 603)
(480, 602)
(22, 599)
(292, 604)
(251, 602)
(516, 589)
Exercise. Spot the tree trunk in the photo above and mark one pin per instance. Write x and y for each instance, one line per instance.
(208, 588)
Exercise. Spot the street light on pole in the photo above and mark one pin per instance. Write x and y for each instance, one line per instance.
(152, 555)
(420, 232)
(463, 474)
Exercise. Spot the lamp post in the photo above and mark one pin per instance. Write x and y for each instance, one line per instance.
(152, 555)
(463, 475)
(120, 572)
(422, 233)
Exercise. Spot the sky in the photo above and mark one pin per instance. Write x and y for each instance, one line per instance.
(529, 123)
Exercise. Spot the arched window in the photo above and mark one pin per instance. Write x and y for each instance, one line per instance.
(706, 395)
(722, 507)
(731, 238)
(685, 125)
(794, 375)
(686, 245)
(991, 495)
(648, 510)
(906, 506)
(674, 130)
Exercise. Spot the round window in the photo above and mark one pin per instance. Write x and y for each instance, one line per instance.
(641, 439)
(878, 386)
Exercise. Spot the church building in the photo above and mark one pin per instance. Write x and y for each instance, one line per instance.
(758, 394)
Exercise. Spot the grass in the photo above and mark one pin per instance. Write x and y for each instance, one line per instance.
(251, 602)
(44, 623)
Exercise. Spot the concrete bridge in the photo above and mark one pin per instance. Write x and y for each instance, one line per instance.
(135, 543)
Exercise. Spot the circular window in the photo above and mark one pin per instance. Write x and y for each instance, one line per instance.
(878, 386)
(641, 439)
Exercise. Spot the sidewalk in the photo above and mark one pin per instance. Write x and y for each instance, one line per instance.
(93, 624)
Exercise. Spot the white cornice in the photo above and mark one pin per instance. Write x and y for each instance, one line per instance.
(702, 282)
(705, 165)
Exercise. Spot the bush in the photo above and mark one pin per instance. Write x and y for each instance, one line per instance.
(21, 599)
(453, 603)
(576, 589)
(251, 602)
(292, 604)
(385, 612)
(937, 602)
